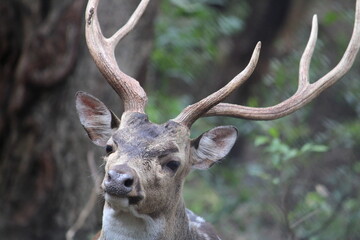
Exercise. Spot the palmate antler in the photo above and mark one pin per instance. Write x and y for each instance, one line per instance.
(134, 97)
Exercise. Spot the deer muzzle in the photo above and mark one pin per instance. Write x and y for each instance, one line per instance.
(123, 182)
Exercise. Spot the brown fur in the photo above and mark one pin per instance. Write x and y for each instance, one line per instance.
(153, 207)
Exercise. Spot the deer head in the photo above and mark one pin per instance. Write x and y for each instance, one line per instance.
(146, 163)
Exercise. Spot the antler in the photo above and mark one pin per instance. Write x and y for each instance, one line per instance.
(102, 50)
(211, 106)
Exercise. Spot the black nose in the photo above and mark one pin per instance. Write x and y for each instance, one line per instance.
(119, 180)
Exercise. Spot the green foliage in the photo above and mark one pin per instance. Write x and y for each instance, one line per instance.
(281, 154)
(299, 177)
(163, 107)
(281, 168)
(207, 200)
(183, 47)
(330, 17)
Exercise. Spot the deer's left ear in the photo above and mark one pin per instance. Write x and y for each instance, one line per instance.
(212, 146)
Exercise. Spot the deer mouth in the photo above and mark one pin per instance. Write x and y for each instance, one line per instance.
(119, 199)
(113, 194)
(135, 200)
(122, 202)
(115, 197)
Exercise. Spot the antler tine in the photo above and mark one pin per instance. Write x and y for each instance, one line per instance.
(191, 113)
(307, 56)
(102, 50)
(268, 113)
(306, 91)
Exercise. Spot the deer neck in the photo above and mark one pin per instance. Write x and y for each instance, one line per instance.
(171, 224)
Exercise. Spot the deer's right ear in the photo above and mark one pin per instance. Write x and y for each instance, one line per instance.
(98, 121)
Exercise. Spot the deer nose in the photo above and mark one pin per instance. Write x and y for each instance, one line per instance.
(120, 180)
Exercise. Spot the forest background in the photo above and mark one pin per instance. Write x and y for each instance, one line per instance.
(293, 178)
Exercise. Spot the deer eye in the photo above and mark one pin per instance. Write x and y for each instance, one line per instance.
(109, 149)
(172, 165)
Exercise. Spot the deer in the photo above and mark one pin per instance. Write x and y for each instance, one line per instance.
(146, 163)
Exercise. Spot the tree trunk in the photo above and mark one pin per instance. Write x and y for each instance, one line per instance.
(45, 179)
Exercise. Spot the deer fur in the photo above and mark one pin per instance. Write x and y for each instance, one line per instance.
(154, 209)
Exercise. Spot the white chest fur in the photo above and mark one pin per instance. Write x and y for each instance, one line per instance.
(119, 225)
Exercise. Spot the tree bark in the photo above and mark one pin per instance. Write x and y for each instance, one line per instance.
(44, 175)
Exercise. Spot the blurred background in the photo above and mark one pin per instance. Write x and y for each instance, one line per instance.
(293, 178)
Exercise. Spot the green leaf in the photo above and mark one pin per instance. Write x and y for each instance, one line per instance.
(290, 154)
(276, 181)
(276, 161)
(309, 147)
(313, 199)
(230, 24)
(330, 18)
(274, 132)
(261, 140)
(320, 148)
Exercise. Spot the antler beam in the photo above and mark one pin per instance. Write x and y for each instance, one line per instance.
(103, 52)
(306, 92)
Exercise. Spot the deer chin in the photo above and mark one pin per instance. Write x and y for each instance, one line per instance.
(122, 203)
